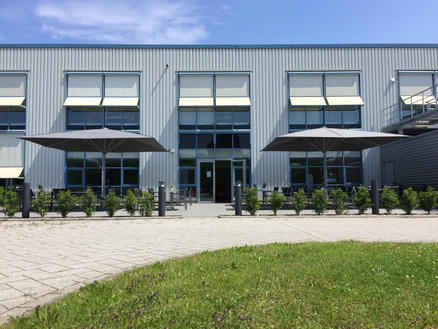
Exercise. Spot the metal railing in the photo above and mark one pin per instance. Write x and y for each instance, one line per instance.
(410, 107)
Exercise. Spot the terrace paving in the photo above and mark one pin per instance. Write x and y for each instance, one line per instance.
(41, 261)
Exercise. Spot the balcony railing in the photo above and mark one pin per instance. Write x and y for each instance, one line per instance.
(411, 109)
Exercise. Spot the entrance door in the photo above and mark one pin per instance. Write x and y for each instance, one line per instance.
(239, 174)
(223, 181)
(206, 181)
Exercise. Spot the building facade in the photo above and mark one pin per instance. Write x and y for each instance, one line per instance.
(215, 107)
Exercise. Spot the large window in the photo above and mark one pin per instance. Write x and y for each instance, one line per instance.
(330, 99)
(214, 121)
(84, 170)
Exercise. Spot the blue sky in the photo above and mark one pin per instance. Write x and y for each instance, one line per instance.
(218, 22)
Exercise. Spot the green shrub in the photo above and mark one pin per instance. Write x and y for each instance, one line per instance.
(388, 199)
(319, 201)
(111, 203)
(409, 200)
(252, 200)
(361, 199)
(299, 201)
(130, 203)
(40, 203)
(87, 202)
(339, 201)
(276, 201)
(2, 197)
(428, 199)
(66, 202)
(146, 204)
(11, 203)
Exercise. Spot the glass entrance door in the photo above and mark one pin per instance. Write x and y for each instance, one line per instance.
(239, 174)
(206, 181)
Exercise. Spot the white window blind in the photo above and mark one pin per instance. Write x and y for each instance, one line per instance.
(121, 85)
(305, 85)
(196, 86)
(84, 85)
(414, 83)
(11, 150)
(342, 85)
(232, 86)
(12, 85)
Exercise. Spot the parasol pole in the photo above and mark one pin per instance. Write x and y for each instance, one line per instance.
(103, 174)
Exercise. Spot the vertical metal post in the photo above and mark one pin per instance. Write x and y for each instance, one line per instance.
(190, 196)
(238, 199)
(162, 200)
(25, 212)
(172, 205)
(375, 196)
(185, 198)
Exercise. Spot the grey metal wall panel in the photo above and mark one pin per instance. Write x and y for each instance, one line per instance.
(414, 160)
(268, 68)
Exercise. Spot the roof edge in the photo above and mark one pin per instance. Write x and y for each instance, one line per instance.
(220, 46)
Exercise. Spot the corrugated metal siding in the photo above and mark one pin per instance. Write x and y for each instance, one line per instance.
(268, 67)
(414, 160)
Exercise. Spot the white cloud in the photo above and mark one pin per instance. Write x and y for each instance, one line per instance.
(148, 21)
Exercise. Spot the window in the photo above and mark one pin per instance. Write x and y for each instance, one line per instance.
(12, 102)
(343, 168)
(187, 141)
(301, 118)
(321, 89)
(224, 140)
(187, 120)
(121, 90)
(197, 90)
(114, 118)
(12, 89)
(205, 141)
(241, 141)
(12, 119)
(96, 89)
(85, 169)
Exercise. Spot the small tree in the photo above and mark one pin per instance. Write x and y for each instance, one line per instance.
(319, 201)
(428, 199)
(11, 203)
(409, 200)
(276, 201)
(339, 201)
(252, 200)
(131, 203)
(40, 203)
(66, 202)
(299, 201)
(388, 199)
(146, 204)
(361, 199)
(87, 202)
(111, 203)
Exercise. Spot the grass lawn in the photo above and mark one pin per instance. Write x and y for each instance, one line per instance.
(308, 285)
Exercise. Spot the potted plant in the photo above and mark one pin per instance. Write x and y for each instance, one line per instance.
(172, 188)
(264, 188)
